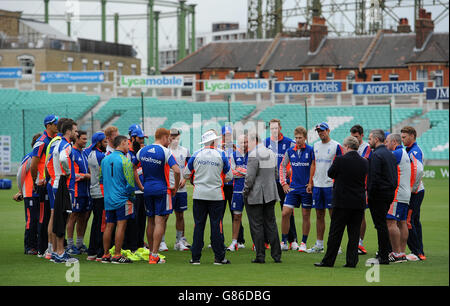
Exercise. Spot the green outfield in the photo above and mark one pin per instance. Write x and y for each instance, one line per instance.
(17, 269)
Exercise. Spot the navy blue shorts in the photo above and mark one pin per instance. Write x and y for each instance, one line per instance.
(237, 202)
(122, 213)
(322, 197)
(158, 205)
(180, 202)
(295, 197)
(397, 211)
(82, 204)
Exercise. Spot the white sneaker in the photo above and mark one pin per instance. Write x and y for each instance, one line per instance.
(179, 246)
(185, 243)
(340, 251)
(294, 246)
(412, 257)
(284, 246)
(233, 247)
(241, 246)
(315, 249)
(302, 247)
(163, 247)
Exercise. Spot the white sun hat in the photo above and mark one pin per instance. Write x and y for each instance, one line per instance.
(209, 136)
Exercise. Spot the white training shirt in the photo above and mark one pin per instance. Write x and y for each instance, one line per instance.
(325, 154)
(180, 154)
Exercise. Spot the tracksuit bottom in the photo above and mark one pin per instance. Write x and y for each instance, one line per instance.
(201, 210)
(97, 228)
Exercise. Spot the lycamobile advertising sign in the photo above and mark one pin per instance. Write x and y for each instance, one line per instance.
(246, 85)
(151, 81)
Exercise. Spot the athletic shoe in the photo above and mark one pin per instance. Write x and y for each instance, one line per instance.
(83, 249)
(396, 259)
(106, 258)
(91, 257)
(412, 257)
(361, 250)
(120, 259)
(241, 245)
(163, 247)
(73, 250)
(65, 257)
(267, 246)
(31, 252)
(98, 259)
(194, 262)
(233, 247)
(179, 246)
(284, 246)
(112, 250)
(53, 256)
(222, 262)
(340, 251)
(421, 257)
(294, 246)
(377, 261)
(302, 247)
(156, 260)
(185, 242)
(47, 254)
(315, 249)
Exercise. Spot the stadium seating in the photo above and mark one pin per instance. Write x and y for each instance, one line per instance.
(339, 118)
(168, 112)
(435, 141)
(24, 111)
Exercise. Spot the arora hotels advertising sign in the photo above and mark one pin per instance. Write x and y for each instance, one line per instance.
(242, 85)
(388, 88)
(307, 87)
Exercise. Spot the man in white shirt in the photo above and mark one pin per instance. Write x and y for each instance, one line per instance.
(210, 169)
(325, 151)
(179, 201)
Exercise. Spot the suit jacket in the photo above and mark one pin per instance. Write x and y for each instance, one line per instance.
(260, 182)
(382, 178)
(349, 173)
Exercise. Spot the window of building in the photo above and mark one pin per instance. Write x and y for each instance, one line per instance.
(119, 68)
(84, 62)
(27, 64)
(313, 76)
(69, 61)
(393, 77)
(376, 77)
(330, 76)
(96, 64)
(422, 74)
(133, 69)
(350, 80)
(438, 78)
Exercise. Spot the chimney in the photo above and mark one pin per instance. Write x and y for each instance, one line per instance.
(318, 31)
(403, 26)
(302, 30)
(424, 26)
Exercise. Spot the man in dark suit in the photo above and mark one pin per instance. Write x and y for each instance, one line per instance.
(381, 184)
(349, 200)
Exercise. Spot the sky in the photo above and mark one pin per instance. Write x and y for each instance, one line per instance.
(207, 11)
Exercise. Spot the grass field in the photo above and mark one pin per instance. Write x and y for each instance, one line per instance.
(17, 269)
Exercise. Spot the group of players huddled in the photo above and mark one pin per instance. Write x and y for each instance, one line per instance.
(130, 190)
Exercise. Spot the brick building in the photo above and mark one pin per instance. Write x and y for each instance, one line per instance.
(386, 56)
(36, 46)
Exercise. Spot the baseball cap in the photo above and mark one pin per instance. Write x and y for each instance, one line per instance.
(226, 129)
(386, 134)
(322, 126)
(175, 132)
(50, 119)
(136, 131)
(97, 137)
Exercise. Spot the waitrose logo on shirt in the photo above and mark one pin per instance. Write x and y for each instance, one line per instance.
(159, 81)
(246, 85)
